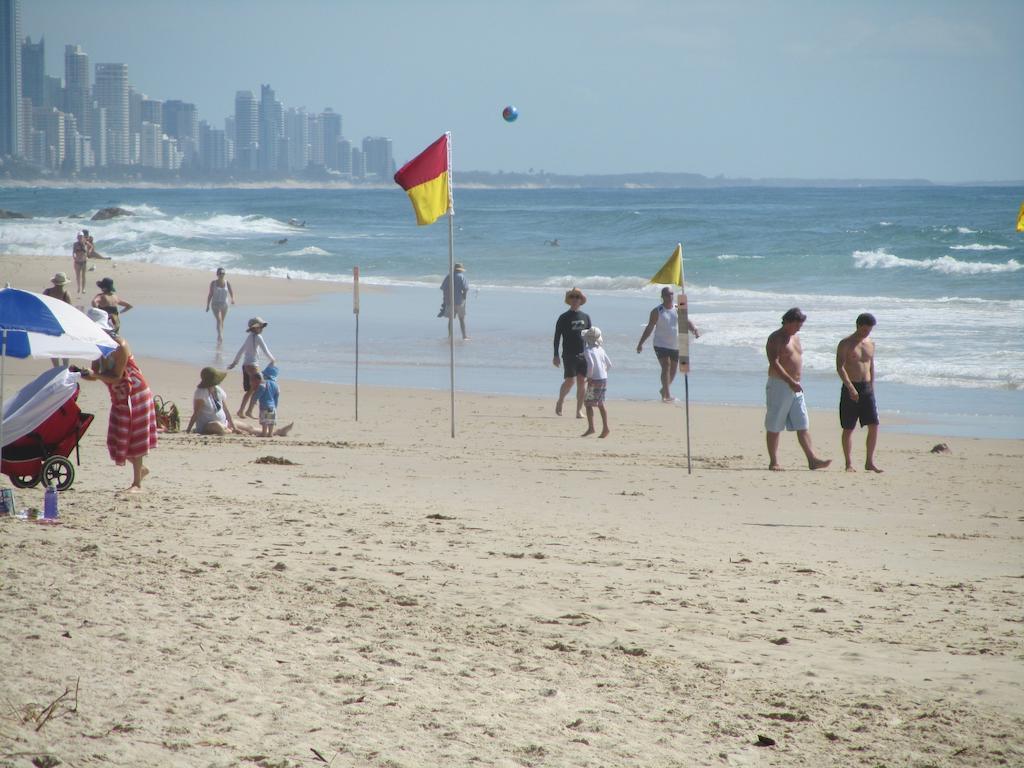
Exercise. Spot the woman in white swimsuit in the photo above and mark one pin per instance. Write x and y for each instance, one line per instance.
(217, 300)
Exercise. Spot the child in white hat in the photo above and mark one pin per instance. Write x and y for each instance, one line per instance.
(598, 365)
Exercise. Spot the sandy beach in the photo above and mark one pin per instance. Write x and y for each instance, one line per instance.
(377, 593)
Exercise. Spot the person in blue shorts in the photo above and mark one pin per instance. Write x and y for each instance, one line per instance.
(784, 394)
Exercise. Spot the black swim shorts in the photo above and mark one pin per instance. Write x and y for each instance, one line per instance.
(671, 354)
(574, 365)
(863, 408)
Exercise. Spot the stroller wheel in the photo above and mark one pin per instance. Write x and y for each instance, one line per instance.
(24, 481)
(58, 471)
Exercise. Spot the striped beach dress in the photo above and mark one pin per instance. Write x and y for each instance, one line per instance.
(131, 432)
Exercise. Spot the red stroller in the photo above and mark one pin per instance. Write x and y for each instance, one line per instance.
(42, 424)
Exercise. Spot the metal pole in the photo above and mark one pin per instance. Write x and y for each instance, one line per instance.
(3, 370)
(357, 367)
(451, 281)
(686, 381)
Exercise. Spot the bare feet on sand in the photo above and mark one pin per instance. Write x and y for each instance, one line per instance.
(579, 414)
(818, 463)
(775, 468)
(558, 408)
(605, 433)
(849, 468)
(589, 432)
(873, 468)
(283, 431)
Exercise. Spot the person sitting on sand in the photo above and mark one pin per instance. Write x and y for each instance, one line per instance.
(210, 412)
(217, 301)
(598, 365)
(250, 352)
(108, 301)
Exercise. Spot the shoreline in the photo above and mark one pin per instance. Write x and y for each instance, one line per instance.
(163, 295)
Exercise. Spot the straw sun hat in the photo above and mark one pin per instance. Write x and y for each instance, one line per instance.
(60, 279)
(210, 377)
(571, 294)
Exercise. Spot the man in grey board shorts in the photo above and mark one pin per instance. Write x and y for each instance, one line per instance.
(784, 394)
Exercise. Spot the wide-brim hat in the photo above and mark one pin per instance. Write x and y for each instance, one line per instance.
(211, 377)
(106, 284)
(100, 317)
(256, 322)
(60, 279)
(573, 293)
(459, 268)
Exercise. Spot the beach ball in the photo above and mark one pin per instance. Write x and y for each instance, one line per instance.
(510, 114)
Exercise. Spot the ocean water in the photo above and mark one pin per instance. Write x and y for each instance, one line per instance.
(941, 268)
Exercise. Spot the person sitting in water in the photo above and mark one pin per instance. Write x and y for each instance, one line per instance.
(108, 301)
(210, 412)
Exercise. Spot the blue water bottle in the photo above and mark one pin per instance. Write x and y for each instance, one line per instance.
(50, 503)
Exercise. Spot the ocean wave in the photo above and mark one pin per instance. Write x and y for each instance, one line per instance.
(947, 265)
(737, 257)
(979, 247)
(885, 223)
(137, 209)
(311, 250)
(597, 282)
(182, 257)
(966, 231)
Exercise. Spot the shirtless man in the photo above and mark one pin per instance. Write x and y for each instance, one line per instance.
(784, 394)
(855, 363)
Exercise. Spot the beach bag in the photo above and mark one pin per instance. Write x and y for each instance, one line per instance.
(167, 418)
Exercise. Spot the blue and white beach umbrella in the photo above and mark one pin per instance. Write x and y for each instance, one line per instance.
(33, 325)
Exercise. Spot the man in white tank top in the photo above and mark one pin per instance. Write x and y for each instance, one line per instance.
(664, 322)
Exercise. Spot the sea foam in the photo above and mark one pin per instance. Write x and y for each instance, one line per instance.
(947, 265)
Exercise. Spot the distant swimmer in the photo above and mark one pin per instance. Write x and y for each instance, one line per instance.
(554, 242)
(282, 241)
(296, 223)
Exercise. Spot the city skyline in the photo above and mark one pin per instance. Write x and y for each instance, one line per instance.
(922, 90)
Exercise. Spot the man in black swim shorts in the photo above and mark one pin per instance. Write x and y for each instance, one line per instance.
(569, 330)
(855, 363)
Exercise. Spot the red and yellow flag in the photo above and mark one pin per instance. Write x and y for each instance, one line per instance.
(425, 179)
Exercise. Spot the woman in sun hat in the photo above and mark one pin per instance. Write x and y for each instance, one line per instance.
(210, 412)
(59, 292)
(131, 430)
(108, 301)
(250, 353)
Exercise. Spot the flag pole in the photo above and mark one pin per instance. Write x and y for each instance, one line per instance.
(355, 311)
(451, 282)
(683, 318)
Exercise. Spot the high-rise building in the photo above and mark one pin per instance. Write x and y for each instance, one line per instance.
(97, 135)
(345, 157)
(358, 166)
(377, 156)
(151, 145)
(213, 148)
(11, 124)
(53, 93)
(50, 123)
(152, 111)
(246, 131)
(296, 129)
(33, 72)
(271, 117)
(77, 99)
(181, 122)
(111, 91)
(330, 125)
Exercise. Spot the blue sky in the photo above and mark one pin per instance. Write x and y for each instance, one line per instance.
(783, 88)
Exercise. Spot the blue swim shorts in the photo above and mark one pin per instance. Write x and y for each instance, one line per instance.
(786, 408)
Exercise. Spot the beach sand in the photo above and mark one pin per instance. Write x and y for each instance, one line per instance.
(516, 596)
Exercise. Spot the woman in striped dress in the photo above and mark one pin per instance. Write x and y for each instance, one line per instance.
(131, 432)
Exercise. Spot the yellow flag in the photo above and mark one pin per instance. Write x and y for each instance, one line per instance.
(671, 272)
(1020, 219)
